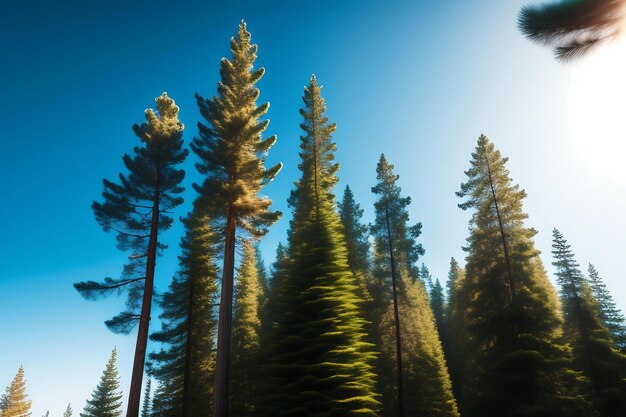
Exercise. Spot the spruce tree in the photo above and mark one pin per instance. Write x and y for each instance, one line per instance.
(136, 208)
(356, 233)
(594, 352)
(106, 400)
(14, 402)
(184, 366)
(319, 363)
(68, 411)
(437, 304)
(147, 399)
(232, 154)
(408, 334)
(611, 316)
(246, 326)
(518, 359)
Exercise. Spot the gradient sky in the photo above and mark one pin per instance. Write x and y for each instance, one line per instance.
(417, 80)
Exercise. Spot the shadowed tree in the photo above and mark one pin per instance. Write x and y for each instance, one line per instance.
(13, 402)
(611, 316)
(136, 208)
(106, 400)
(437, 304)
(319, 361)
(147, 400)
(518, 361)
(572, 27)
(594, 352)
(232, 154)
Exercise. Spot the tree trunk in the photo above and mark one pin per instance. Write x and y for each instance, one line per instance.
(396, 315)
(134, 395)
(222, 365)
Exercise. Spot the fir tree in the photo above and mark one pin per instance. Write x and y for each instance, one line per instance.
(232, 154)
(147, 400)
(68, 411)
(106, 400)
(611, 316)
(408, 333)
(14, 402)
(517, 357)
(425, 276)
(184, 366)
(246, 326)
(591, 342)
(356, 234)
(319, 363)
(136, 209)
(437, 304)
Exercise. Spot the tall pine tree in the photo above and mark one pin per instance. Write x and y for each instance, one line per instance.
(411, 349)
(106, 400)
(185, 364)
(14, 402)
(594, 352)
(136, 208)
(320, 364)
(611, 316)
(232, 154)
(517, 357)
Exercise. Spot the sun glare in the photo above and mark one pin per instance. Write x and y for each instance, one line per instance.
(597, 111)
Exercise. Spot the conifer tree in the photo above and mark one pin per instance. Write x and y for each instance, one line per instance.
(518, 360)
(356, 233)
(611, 316)
(594, 352)
(147, 400)
(319, 363)
(246, 326)
(47, 413)
(408, 334)
(437, 304)
(68, 411)
(184, 366)
(14, 402)
(136, 208)
(425, 276)
(106, 400)
(232, 154)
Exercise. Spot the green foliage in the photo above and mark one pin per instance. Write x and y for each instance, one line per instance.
(427, 388)
(152, 183)
(319, 363)
(13, 402)
(518, 360)
(146, 409)
(68, 411)
(611, 316)
(106, 400)
(184, 366)
(594, 352)
(246, 325)
(437, 304)
(356, 234)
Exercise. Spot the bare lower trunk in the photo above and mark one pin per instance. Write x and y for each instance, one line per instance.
(134, 395)
(224, 329)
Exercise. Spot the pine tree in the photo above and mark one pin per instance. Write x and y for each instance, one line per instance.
(106, 400)
(517, 358)
(136, 209)
(147, 400)
(437, 304)
(246, 325)
(232, 155)
(356, 234)
(13, 402)
(319, 363)
(611, 316)
(184, 366)
(408, 334)
(424, 275)
(68, 411)
(594, 352)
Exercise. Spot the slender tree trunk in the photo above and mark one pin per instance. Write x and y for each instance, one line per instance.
(510, 284)
(187, 375)
(396, 315)
(224, 330)
(134, 395)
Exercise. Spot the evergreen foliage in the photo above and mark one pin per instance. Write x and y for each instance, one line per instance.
(147, 400)
(232, 154)
(68, 411)
(437, 304)
(407, 326)
(424, 275)
(518, 360)
(319, 363)
(47, 413)
(184, 366)
(106, 400)
(356, 234)
(611, 316)
(593, 348)
(246, 325)
(14, 402)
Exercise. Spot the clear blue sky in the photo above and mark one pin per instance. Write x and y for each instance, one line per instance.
(417, 80)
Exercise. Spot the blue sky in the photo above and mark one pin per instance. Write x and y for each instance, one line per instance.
(419, 81)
